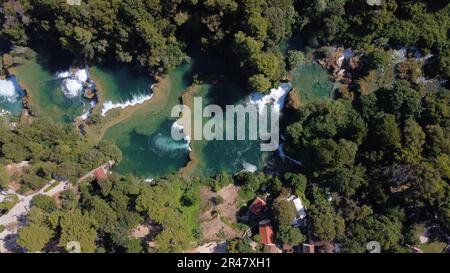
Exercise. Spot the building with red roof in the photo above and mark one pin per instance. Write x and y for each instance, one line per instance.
(258, 206)
(266, 233)
(100, 174)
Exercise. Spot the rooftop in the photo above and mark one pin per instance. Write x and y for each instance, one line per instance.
(100, 174)
(266, 233)
(257, 206)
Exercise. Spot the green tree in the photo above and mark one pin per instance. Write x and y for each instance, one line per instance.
(386, 133)
(259, 83)
(345, 180)
(380, 228)
(69, 200)
(269, 64)
(34, 237)
(290, 235)
(437, 141)
(78, 227)
(413, 234)
(44, 202)
(104, 217)
(240, 246)
(427, 187)
(4, 179)
(257, 27)
(414, 139)
(326, 224)
(402, 101)
(295, 58)
(284, 212)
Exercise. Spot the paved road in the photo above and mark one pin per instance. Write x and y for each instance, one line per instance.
(21, 209)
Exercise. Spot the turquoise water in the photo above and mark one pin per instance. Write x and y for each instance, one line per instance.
(119, 84)
(312, 82)
(145, 139)
(149, 155)
(217, 156)
(38, 77)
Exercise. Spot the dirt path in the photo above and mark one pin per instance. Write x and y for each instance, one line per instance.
(15, 216)
(217, 220)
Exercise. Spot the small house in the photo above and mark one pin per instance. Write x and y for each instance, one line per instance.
(100, 174)
(258, 206)
(301, 210)
(266, 233)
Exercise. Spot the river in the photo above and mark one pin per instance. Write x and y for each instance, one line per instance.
(144, 135)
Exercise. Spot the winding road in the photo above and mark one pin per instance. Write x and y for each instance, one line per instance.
(20, 210)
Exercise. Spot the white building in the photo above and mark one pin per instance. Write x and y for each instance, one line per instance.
(301, 210)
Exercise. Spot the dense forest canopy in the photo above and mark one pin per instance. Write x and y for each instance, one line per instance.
(156, 34)
(54, 150)
(375, 161)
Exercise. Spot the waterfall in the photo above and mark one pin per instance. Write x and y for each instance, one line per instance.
(276, 97)
(10, 91)
(135, 100)
(73, 82)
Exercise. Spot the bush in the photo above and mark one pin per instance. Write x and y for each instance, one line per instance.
(295, 58)
(9, 202)
(94, 119)
(259, 83)
(44, 202)
(217, 200)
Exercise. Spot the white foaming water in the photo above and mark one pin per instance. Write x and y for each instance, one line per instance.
(74, 81)
(248, 167)
(166, 146)
(72, 88)
(135, 100)
(86, 114)
(63, 75)
(276, 97)
(8, 91)
(82, 75)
